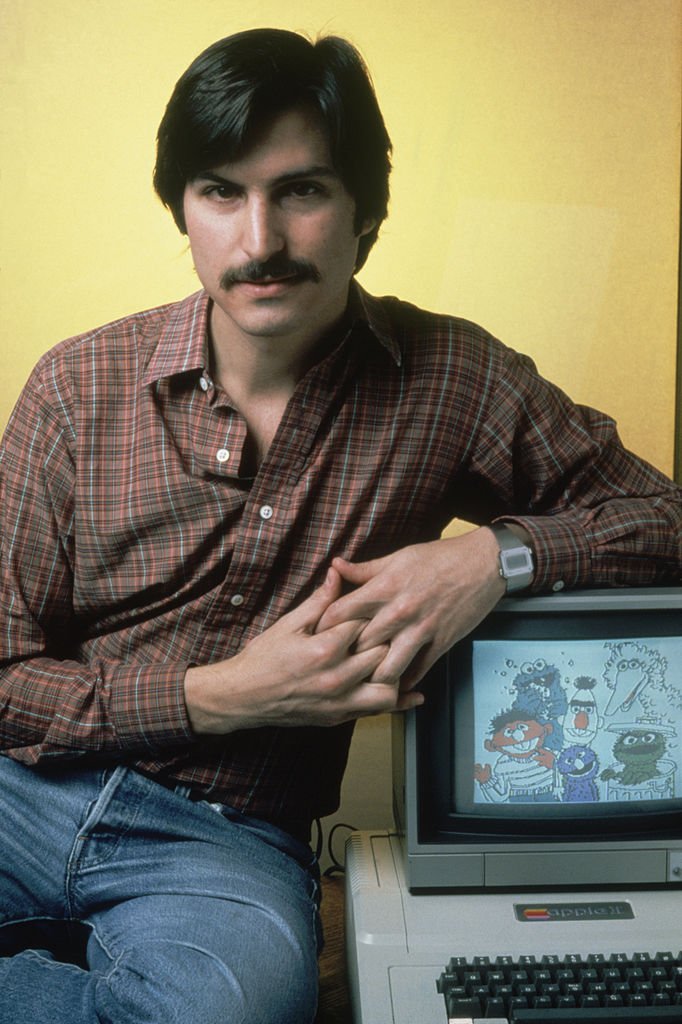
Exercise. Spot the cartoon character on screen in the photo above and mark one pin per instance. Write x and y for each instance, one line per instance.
(524, 771)
(577, 767)
(582, 720)
(631, 668)
(539, 695)
(641, 771)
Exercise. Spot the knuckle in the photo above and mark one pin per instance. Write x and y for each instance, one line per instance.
(324, 647)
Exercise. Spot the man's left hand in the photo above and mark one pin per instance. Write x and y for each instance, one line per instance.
(420, 600)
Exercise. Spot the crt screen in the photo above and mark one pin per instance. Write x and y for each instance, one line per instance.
(585, 724)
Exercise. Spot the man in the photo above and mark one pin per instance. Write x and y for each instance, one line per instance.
(220, 548)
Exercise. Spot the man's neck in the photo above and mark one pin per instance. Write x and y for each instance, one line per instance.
(256, 367)
(260, 376)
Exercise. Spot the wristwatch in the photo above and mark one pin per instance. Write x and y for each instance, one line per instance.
(516, 559)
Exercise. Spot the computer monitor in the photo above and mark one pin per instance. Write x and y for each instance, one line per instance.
(548, 752)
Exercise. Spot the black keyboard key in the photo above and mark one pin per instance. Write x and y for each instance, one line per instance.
(495, 1007)
(471, 978)
(620, 988)
(519, 977)
(463, 1007)
(496, 977)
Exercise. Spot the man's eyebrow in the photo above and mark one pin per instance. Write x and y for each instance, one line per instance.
(315, 171)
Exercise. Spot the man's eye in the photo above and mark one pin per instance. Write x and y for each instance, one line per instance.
(221, 192)
(303, 189)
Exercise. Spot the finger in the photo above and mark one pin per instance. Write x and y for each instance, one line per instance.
(357, 573)
(405, 653)
(375, 699)
(352, 607)
(373, 601)
(307, 615)
(338, 641)
(388, 623)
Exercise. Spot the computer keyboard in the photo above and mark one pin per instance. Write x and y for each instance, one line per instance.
(575, 989)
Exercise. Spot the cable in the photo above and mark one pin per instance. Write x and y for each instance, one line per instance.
(337, 866)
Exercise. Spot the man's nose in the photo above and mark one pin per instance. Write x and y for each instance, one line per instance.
(262, 232)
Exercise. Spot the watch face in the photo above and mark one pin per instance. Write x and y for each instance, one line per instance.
(516, 561)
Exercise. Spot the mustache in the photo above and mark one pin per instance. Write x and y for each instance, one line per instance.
(256, 271)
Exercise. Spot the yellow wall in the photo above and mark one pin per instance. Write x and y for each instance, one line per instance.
(536, 183)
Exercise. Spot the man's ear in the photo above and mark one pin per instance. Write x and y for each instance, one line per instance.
(367, 226)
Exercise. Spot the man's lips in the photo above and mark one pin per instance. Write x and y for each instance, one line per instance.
(269, 285)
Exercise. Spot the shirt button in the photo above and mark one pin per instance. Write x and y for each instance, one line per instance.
(266, 512)
(236, 600)
(222, 455)
(203, 384)
(559, 585)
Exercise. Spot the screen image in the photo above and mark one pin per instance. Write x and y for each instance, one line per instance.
(584, 725)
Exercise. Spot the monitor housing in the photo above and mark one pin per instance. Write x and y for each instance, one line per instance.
(548, 753)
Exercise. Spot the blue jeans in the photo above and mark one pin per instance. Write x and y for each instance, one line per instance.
(193, 916)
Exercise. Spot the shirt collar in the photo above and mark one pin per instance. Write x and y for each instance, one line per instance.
(182, 344)
(365, 308)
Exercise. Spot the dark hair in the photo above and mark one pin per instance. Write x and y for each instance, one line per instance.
(585, 683)
(238, 82)
(507, 717)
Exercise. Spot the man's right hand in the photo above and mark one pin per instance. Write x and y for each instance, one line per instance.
(292, 676)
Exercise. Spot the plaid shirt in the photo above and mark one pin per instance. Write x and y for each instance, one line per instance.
(132, 547)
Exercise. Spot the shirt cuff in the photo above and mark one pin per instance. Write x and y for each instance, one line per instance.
(562, 555)
(148, 709)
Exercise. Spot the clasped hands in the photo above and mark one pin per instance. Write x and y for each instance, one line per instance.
(340, 656)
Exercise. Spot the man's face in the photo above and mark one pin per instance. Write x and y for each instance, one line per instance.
(272, 235)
